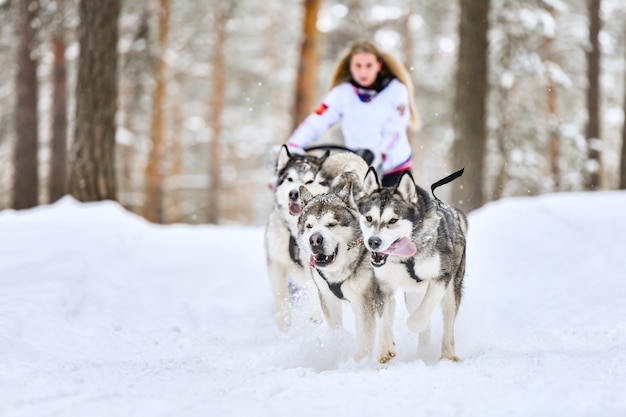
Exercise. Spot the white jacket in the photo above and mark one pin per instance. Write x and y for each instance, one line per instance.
(379, 124)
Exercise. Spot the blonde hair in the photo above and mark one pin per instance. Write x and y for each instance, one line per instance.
(391, 67)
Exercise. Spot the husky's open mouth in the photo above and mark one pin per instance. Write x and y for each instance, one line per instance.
(321, 260)
(378, 259)
(402, 247)
(294, 208)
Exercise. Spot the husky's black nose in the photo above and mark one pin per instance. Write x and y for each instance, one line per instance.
(293, 195)
(374, 242)
(316, 240)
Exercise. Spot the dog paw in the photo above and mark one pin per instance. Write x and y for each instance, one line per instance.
(451, 358)
(283, 321)
(387, 353)
(387, 356)
(417, 323)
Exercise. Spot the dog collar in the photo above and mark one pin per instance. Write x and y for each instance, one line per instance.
(355, 243)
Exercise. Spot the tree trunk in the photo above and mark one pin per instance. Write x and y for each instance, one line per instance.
(92, 165)
(57, 182)
(222, 14)
(553, 119)
(468, 149)
(174, 210)
(622, 180)
(593, 167)
(408, 47)
(130, 98)
(273, 48)
(153, 203)
(26, 175)
(307, 67)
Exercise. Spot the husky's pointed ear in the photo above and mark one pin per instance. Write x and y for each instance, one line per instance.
(353, 195)
(406, 187)
(326, 155)
(283, 158)
(370, 183)
(305, 196)
(345, 194)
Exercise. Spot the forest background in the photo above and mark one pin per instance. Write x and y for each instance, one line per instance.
(203, 93)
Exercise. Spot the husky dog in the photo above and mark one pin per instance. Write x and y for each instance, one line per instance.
(282, 254)
(417, 244)
(330, 237)
(283, 258)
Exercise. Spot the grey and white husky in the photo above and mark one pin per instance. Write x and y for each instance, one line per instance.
(331, 239)
(282, 253)
(285, 264)
(416, 244)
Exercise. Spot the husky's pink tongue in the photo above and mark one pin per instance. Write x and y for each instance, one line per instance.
(402, 247)
(294, 209)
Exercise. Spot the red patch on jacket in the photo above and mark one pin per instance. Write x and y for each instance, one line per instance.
(321, 109)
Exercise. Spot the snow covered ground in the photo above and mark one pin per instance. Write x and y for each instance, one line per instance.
(104, 314)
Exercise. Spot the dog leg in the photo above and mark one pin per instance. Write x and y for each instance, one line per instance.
(419, 320)
(313, 300)
(387, 346)
(412, 300)
(280, 287)
(424, 336)
(365, 327)
(331, 305)
(449, 310)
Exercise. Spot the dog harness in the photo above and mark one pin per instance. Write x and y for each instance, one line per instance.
(335, 287)
(410, 269)
(294, 250)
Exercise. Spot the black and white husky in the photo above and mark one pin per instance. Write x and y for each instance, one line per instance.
(416, 244)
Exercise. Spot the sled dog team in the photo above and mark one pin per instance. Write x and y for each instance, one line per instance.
(339, 236)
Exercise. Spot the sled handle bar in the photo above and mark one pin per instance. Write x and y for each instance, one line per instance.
(328, 147)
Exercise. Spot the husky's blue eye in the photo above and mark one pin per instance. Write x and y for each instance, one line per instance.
(368, 219)
(392, 221)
